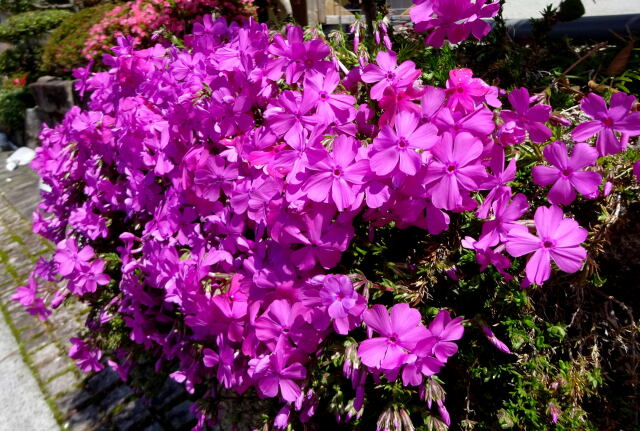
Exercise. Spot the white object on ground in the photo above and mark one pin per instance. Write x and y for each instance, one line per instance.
(20, 157)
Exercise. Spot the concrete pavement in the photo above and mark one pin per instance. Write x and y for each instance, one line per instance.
(523, 9)
(22, 404)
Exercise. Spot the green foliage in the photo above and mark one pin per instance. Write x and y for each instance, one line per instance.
(22, 58)
(16, 6)
(13, 103)
(63, 50)
(29, 25)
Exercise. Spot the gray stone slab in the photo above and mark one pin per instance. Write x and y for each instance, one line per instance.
(23, 404)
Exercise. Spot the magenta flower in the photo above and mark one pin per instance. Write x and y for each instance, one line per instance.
(446, 331)
(213, 176)
(452, 19)
(89, 278)
(566, 174)
(607, 121)
(337, 176)
(455, 168)
(505, 215)
(283, 322)
(343, 303)
(500, 345)
(330, 106)
(87, 358)
(557, 239)
(400, 331)
(387, 73)
(290, 115)
(397, 148)
(488, 257)
(277, 373)
(69, 258)
(497, 181)
(464, 90)
(531, 119)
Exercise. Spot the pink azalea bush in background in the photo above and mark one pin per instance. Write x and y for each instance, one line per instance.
(217, 204)
(139, 19)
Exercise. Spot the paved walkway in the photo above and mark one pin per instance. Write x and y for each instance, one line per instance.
(40, 387)
(524, 9)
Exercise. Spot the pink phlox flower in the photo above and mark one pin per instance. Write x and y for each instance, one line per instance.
(87, 358)
(400, 331)
(70, 259)
(479, 122)
(566, 172)
(531, 119)
(505, 218)
(277, 373)
(486, 257)
(432, 101)
(89, 278)
(339, 300)
(286, 323)
(395, 148)
(500, 345)
(557, 239)
(254, 196)
(554, 412)
(210, 358)
(290, 114)
(510, 133)
(452, 19)
(464, 92)
(214, 176)
(616, 118)
(394, 101)
(446, 331)
(497, 181)
(386, 73)
(81, 75)
(336, 176)
(26, 295)
(324, 240)
(330, 106)
(454, 169)
(308, 57)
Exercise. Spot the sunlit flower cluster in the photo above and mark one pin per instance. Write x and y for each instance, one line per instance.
(217, 187)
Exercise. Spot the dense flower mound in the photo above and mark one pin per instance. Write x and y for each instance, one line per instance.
(214, 190)
(139, 19)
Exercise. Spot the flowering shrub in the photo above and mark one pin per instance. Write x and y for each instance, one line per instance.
(212, 202)
(139, 19)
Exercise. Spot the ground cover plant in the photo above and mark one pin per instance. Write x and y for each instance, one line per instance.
(358, 242)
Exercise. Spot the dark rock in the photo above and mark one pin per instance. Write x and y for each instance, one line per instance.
(33, 121)
(53, 95)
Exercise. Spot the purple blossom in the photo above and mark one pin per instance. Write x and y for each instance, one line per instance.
(607, 121)
(400, 331)
(387, 73)
(87, 358)
(337, 176)
(531, 119)
(452, 19)
(566, 174)
(395, 148)
(454, 170)
(558, 239)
